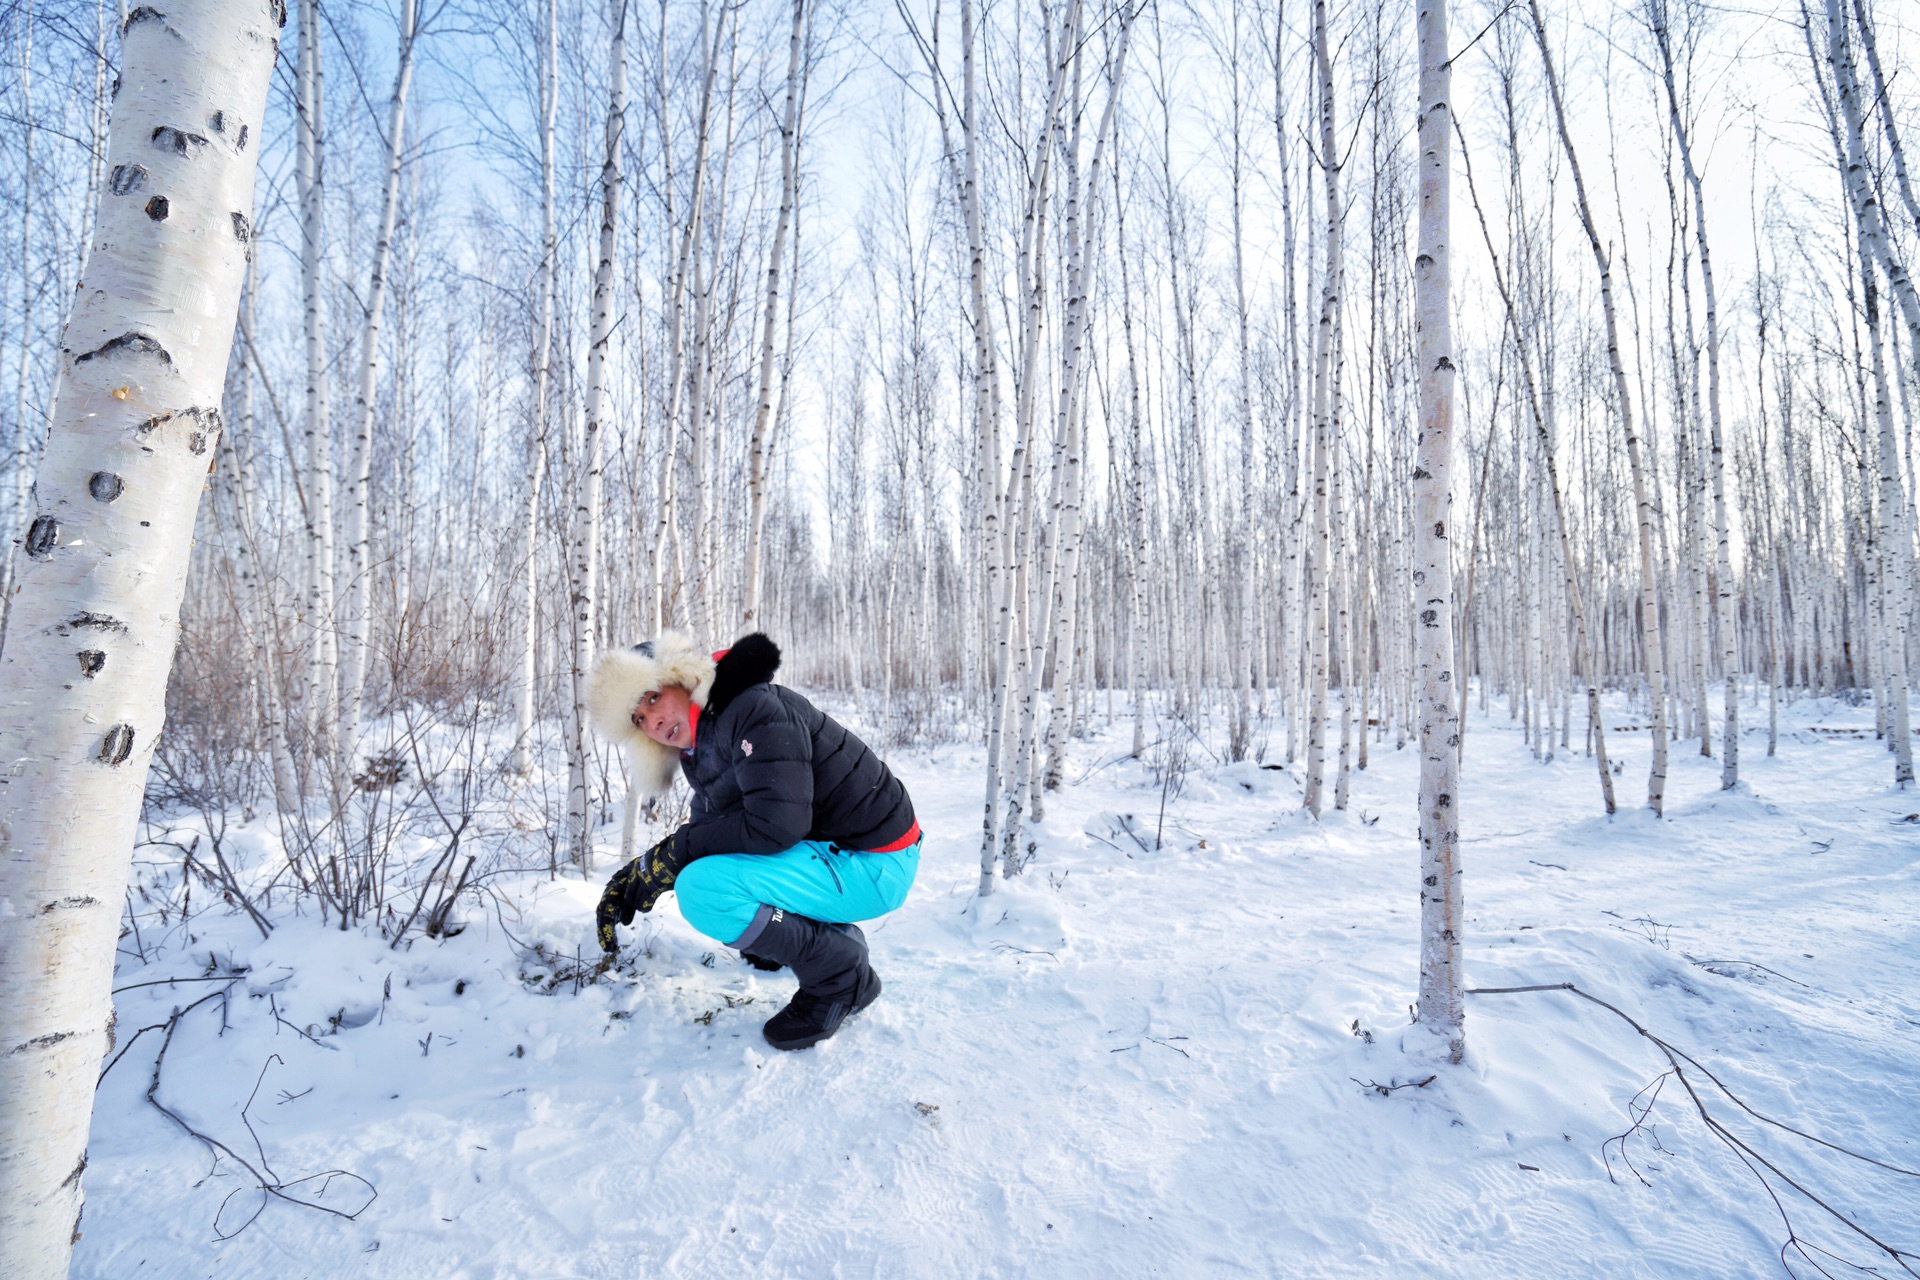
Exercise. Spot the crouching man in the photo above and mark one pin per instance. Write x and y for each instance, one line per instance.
(798, 829)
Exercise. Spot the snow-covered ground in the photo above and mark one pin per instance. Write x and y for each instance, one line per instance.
(1128, 1062)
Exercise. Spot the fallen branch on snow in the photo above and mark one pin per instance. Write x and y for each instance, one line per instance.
(266, 1181)
(1747, 1155)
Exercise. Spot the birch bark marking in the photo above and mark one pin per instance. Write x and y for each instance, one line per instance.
(586, 533)
(1643, 502)
(1442, 994)
(143, 362)
(359, 616)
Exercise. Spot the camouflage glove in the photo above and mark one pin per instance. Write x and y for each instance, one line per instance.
(635, 887)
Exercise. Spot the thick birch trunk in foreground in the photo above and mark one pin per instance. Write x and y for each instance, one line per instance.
(93, 626)
(1442, 994)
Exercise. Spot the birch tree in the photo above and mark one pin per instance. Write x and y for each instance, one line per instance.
(318, 701)
(759, 445)
(96, 616)
(1877, 250)
(585, 569)
(1325, 393)
(1659, 20)
(542, 368)
(1442, 987)
(1442, 1002)
(1623, 406)
(359, 538)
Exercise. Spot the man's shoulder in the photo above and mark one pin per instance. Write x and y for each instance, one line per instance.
(767, 704)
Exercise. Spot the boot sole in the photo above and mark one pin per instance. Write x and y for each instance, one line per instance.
(807, 1042)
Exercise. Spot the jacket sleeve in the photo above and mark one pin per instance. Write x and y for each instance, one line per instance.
(772, 761)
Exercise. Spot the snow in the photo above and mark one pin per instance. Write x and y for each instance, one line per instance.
(1128, 1061)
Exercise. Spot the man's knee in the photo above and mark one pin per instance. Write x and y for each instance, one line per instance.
(713, 898)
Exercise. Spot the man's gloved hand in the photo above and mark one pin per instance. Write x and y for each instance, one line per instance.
(635, 887)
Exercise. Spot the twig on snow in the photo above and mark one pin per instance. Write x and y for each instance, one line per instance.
(274, 1006)
(1708, 966)
(1639, 1111)
(1387, 1090)
(158, 1026)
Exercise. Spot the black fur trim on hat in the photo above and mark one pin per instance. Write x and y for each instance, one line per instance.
(752, 660)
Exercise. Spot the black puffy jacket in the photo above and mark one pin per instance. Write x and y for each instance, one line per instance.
(769, 769)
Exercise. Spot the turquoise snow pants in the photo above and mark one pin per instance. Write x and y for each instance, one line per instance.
(730, 896)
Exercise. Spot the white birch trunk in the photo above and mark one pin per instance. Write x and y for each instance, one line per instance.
(96, 615)
(318, 710)
(1890, 540)
(1716, 466)
(586, 527)
(1442, 987)
(359, 543)
(1020, 578)
(986, 401)
(1082, 204)
(1891, 532)
(1319, 599)
(1136, 491)
(667, 503)
(523, 695)
(757, 446)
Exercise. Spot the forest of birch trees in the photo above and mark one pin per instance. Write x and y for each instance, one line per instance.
(1272, 385)
(1018, 367)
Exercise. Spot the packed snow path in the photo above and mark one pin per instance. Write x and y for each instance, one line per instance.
(1124, 1063)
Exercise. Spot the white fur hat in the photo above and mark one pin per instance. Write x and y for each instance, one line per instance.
(621, 677)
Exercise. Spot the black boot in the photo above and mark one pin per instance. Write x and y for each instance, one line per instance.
(830, 960)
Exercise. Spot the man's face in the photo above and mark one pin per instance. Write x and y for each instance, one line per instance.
(665, 715)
